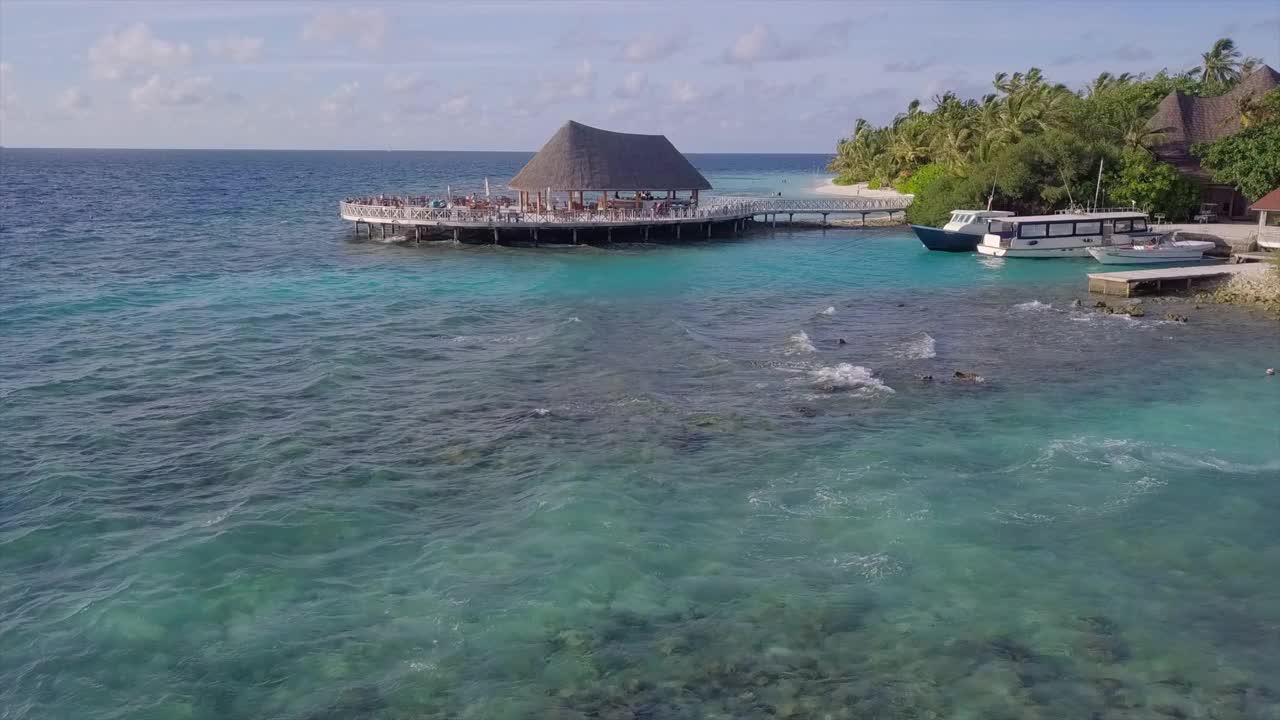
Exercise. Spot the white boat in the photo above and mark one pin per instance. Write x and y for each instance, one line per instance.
(962, 233)
(1166, 249)
(1062, 235)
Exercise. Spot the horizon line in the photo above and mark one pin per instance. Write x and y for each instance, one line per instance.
(267, 149)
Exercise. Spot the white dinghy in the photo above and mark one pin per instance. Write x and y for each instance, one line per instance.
(1164, 249)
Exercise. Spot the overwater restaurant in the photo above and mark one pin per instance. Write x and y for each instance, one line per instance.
(582, 168)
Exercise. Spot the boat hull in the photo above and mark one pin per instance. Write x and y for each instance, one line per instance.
(1148, 256)
(946, 240)
(1042, 253)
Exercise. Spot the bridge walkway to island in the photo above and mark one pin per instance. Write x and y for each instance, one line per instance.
(397, 217)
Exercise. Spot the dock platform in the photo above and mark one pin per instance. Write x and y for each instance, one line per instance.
(1136, 282)
(514, 223)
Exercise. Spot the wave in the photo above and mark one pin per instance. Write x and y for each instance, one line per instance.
(800, 343)
(848, 378)
(920, 347)
(1034, 305)
(831, 310)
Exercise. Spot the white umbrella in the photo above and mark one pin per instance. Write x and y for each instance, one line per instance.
(486, 187)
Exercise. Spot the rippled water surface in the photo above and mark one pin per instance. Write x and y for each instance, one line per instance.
(250, 468)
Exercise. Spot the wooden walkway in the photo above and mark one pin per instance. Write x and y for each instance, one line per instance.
(1134, 282)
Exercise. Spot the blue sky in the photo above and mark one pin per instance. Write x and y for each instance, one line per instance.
(714, 77)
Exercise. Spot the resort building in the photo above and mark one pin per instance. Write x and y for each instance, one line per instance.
(1268, 209)
(1184, 120)
(596, 169)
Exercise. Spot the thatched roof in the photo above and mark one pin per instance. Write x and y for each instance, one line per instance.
(579, 157)
(1269, 202)
(1185, 120)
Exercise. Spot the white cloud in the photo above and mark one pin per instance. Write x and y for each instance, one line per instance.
(73, 99)
(685, 92)
(405, 82)
(456, 105)
(367, 25)
(134, 50)
(633, 85)
(761, 44)
(652, 47)
(237, 48)
(342, 101)
(183, 92)
(8, 98)
(556, 89)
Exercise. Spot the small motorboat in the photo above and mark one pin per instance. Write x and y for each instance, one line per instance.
(962, 233)
(1162, 249)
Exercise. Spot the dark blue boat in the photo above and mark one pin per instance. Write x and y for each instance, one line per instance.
(946, 240)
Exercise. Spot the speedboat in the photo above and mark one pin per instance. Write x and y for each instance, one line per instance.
(1164, 249)
(1062, 235)
(962, 233)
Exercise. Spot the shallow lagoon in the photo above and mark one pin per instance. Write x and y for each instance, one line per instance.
(252, 469)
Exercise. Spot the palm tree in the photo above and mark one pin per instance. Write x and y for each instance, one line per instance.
(1221, 65)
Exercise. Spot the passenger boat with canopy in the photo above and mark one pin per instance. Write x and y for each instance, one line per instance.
(1062, 235)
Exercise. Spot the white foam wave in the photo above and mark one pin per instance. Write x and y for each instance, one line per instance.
(800, 343)
(921, 347)
(831, 310)
(1033, 305)
(848, 378)
(872, 566)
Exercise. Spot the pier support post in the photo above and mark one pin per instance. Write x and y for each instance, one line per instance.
(864, 219)
(708, 231)
(575, 236)
(608, 234)
(646, 233)
(775, 219)
(824, 219)
(455, 236)
(677, 231)
(535, 236)
(495, 236)
(417, 233)
(791, 218)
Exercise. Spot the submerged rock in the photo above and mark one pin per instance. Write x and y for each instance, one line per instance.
(1175, 317)
(964, 376)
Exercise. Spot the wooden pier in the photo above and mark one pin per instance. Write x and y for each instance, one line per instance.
(511, 224)
(1136, 282)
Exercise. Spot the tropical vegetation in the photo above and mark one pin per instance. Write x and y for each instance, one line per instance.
(1034, 145)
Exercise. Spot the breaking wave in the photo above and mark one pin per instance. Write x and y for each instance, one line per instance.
(800, 343)
(848, 378)
(1035, 305)
(920, 347)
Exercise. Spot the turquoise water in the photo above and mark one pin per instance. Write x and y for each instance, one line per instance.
(251, 468)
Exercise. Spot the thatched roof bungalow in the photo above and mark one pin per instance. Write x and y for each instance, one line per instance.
(581, 158)
(1184, 120)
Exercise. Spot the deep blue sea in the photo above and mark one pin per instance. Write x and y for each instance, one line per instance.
(251, 467)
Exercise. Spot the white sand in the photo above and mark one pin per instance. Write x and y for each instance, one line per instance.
(857, 190)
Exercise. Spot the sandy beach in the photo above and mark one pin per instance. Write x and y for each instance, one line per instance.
(857, 190)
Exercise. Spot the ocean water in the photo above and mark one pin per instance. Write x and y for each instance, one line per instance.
(251, 468)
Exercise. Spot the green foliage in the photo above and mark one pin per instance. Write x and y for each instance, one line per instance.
(1154, 187)
(1250, 159)
(922, 177)
(1040, 143)
(874, 184)
(934, 202)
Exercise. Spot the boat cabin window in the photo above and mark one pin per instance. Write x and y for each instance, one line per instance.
(1060, 229)
(1089, 228)
(1139, 225)
(1123, 226)
(1034, 230)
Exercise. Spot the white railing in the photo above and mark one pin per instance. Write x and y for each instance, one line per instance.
(760, 206)
(717, 208)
